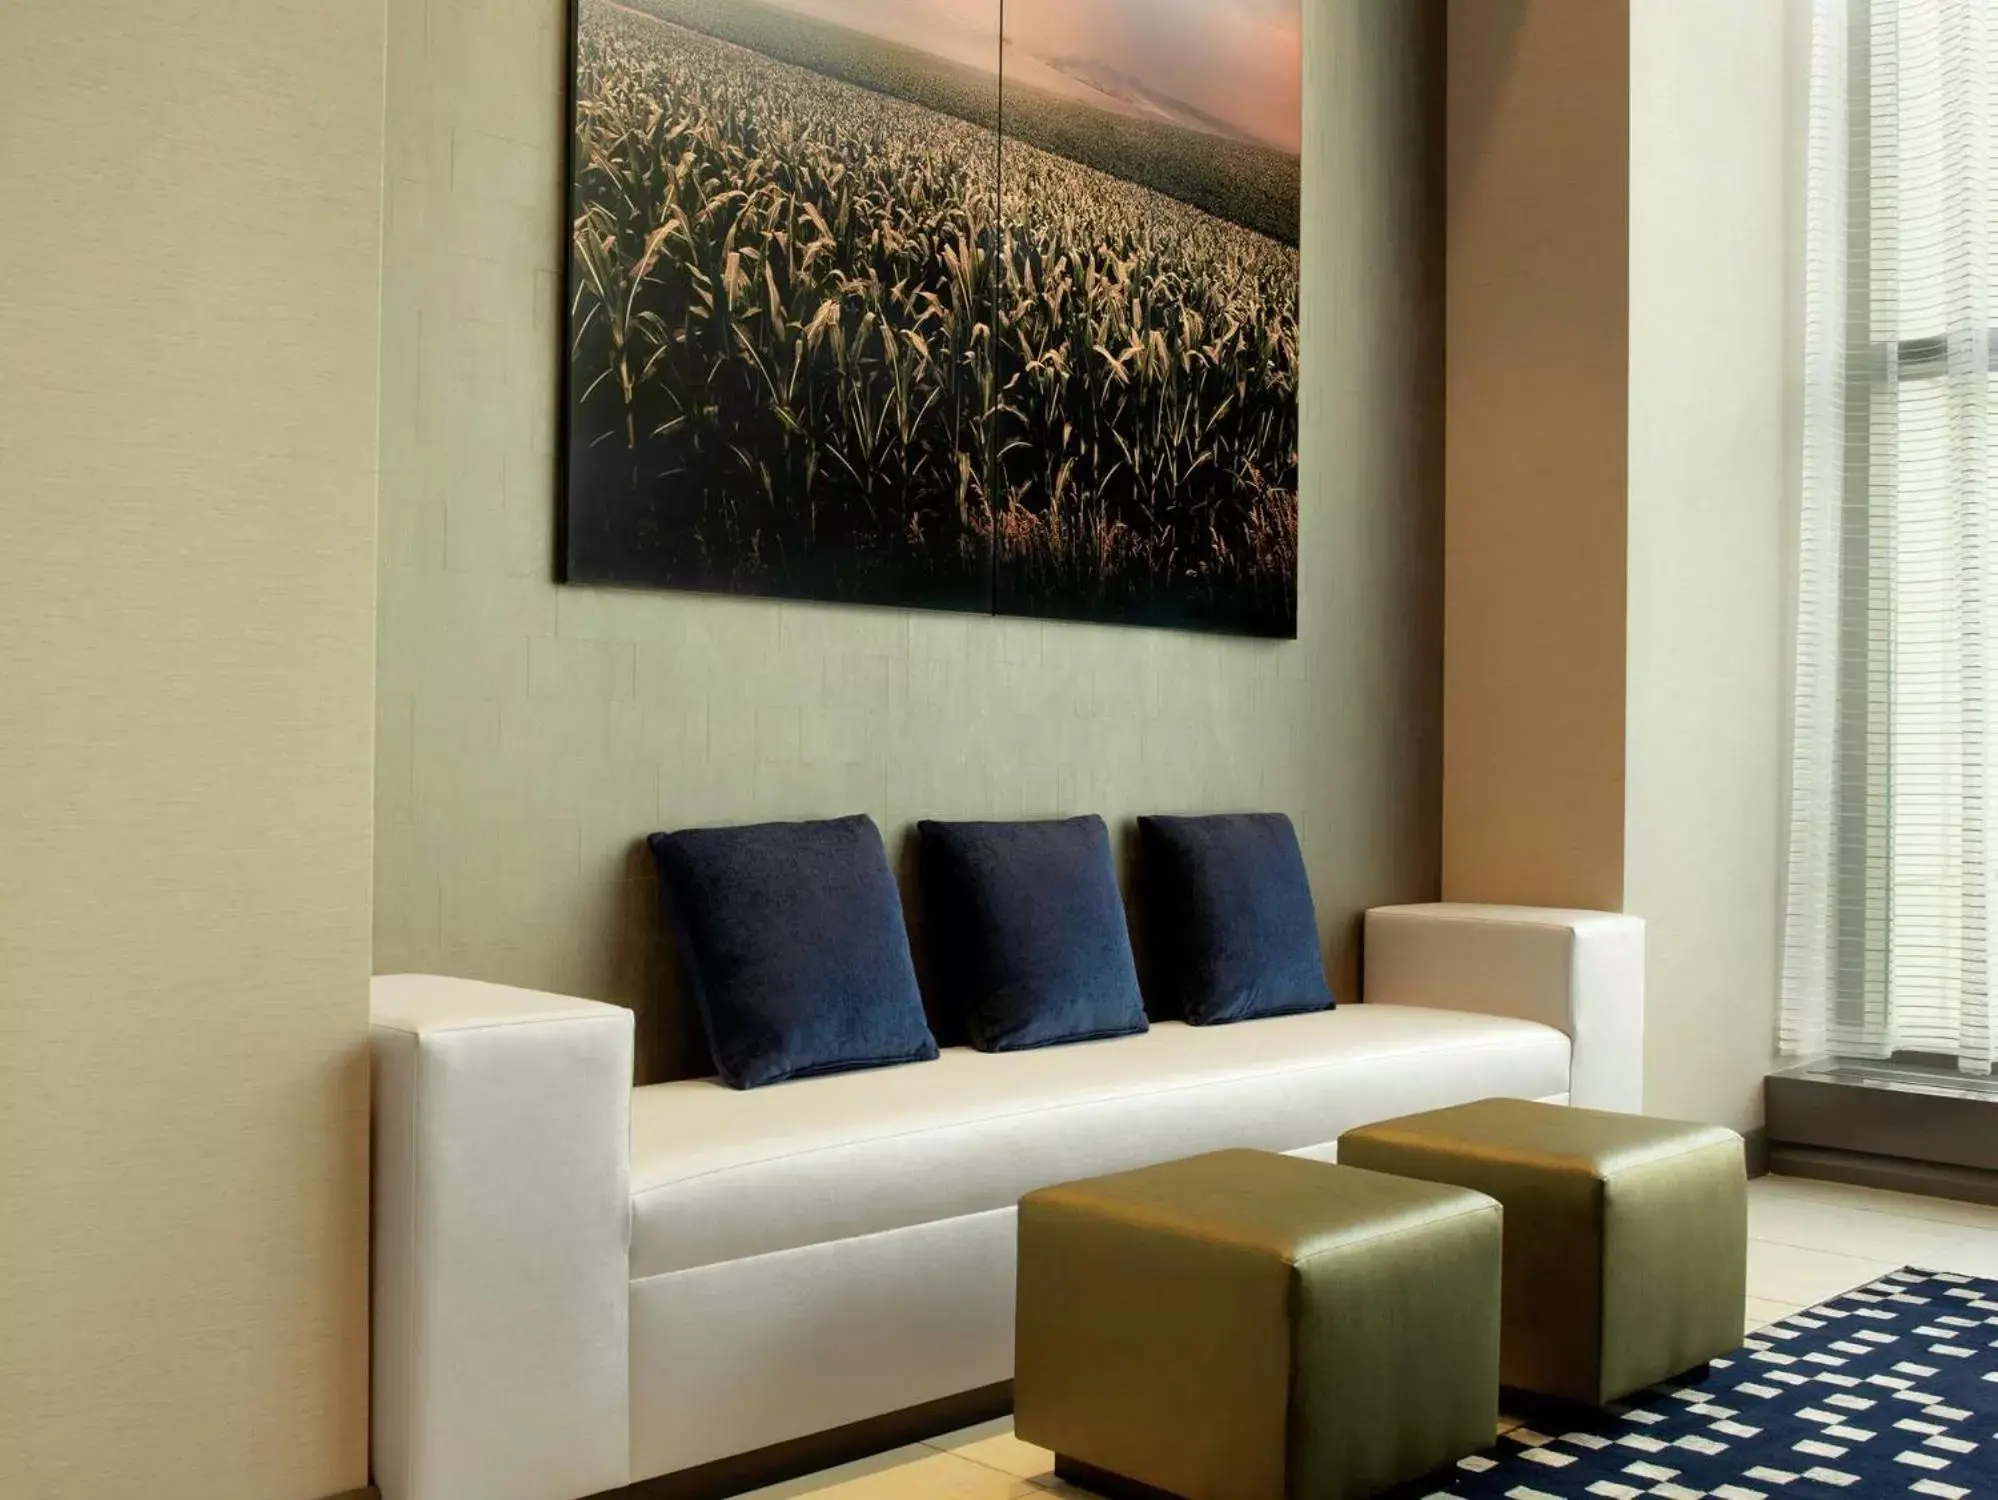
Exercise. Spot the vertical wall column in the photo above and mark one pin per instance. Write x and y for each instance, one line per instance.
(1537, 343)
(1716, 262)
(1623, 257)
(189, 315)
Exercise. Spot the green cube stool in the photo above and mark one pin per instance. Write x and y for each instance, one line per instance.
(1626, 1238)
(1247, 1326)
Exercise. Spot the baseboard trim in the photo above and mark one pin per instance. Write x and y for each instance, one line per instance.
(823, 1450)
(1893, 1173)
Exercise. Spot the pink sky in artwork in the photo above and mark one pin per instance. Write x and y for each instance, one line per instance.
(1239, 62)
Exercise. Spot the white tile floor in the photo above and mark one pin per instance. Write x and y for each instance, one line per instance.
(1807, 1241)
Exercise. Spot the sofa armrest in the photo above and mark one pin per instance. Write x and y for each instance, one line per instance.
(1581, 972)
(502, 1183)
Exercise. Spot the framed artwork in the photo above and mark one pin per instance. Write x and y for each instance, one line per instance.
(939, 303)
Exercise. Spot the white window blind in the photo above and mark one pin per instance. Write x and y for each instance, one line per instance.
(1889, 936)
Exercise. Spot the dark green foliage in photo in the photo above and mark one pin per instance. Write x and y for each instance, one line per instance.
(823, 344)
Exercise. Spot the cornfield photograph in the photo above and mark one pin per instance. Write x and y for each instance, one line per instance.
(915, 302)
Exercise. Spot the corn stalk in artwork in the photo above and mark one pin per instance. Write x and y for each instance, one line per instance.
(795, 311)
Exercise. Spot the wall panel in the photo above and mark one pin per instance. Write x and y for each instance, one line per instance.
(189, 316)
(531, 735)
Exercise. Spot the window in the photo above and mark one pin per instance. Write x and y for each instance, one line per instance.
(1889, 946)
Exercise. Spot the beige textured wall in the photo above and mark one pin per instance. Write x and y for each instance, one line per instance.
(1536, 398)
(188, 324)
(1715, 199)
(530, 735)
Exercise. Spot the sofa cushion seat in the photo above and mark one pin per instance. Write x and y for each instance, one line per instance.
(721, 1175)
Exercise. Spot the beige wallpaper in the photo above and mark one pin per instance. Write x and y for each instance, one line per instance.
(188, 320)
(531, 735)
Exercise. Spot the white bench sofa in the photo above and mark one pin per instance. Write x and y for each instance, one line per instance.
(580, 1285)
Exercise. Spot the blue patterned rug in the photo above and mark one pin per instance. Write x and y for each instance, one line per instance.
(1891, 1389)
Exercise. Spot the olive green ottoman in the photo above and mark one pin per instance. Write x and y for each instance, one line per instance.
(1626, 1238)
(1247, 1326)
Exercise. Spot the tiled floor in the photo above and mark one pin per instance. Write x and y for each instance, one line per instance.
(1808, 1241)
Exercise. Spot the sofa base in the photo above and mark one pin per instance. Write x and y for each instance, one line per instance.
(823, 1450)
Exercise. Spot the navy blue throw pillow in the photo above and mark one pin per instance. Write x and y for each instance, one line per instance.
(1230, 934)
(793, 946)
(1026, 932)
